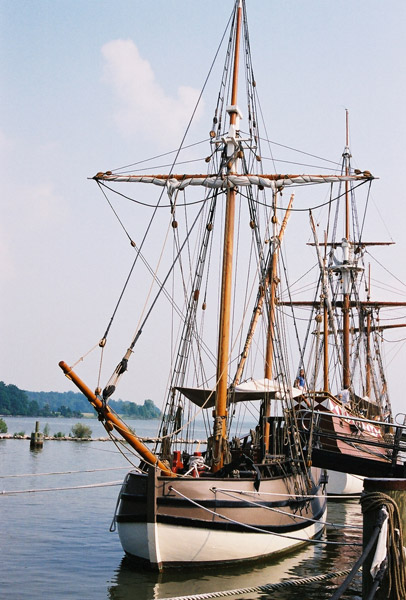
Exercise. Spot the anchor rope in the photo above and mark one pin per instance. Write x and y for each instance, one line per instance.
(268, 587)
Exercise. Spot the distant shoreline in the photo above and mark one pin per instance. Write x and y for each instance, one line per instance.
(82, 416)
(51, 438)
(66, 438)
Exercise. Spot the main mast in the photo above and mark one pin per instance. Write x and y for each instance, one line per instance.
(220, 422)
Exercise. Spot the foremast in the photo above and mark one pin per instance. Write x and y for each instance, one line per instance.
(232, 145)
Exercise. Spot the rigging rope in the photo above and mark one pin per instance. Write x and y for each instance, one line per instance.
(284, 512)
(122, 366)
(139, 162)
(387, 270)
(174, 162)
(307, 540)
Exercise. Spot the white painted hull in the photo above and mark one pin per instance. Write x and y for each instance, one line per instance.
(172, 522)
(344, 483)
(160, 543)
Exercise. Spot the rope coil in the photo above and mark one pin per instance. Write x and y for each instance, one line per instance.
(395, 572)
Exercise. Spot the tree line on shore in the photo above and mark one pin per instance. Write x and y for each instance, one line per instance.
(17, 402)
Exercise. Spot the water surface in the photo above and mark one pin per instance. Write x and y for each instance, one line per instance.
(57, 544)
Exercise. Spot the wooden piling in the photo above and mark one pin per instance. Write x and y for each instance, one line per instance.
(37, 437)
(396, 490)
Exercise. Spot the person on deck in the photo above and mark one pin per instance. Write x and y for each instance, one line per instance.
(344, 396)
(300, 381)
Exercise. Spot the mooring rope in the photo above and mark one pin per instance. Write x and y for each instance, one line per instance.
(58, 489)
(62, 472)
(396, 565)
(267, 587)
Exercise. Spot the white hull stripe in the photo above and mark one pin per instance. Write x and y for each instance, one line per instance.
(194, 545)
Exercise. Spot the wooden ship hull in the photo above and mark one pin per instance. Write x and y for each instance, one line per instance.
(351, 447)
(206, 520)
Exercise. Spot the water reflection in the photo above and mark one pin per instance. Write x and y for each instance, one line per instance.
(182, 582)
(306, 562)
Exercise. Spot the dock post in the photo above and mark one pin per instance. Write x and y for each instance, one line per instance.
(391, 494)
(37, 438)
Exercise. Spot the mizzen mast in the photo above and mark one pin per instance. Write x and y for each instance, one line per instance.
(273, 278)
(346, 275)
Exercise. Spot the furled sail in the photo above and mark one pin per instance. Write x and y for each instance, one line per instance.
(275, 182)
(254, 389)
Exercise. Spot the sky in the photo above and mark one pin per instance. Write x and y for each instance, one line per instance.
(89, 85)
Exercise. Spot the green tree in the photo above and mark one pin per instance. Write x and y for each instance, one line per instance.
(4, 400)
(150, 410)
(13, 401)
(81, 431)
(3, 426)
(46, 411)
(33, 409)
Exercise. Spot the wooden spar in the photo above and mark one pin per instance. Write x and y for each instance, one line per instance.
(326, 383)
(253, 326)
(325, 334)
(346, 342)
(373, 328)
(338, 303)
(260, 301)
(326, 302)
(346, 296)
(220, 425)
(271, 326)
(368, 365)
(357, 244)
(283, 178)
(272, 300)
(119, 425)
(347, 172)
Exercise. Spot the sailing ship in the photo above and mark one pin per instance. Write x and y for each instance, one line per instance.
(345, 382)
(250, 490)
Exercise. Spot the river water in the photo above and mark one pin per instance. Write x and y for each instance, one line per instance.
(56, 543)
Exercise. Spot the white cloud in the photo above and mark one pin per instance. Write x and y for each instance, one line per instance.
(29, 209)
(29, 214)
(35, 207)
(143, 107)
